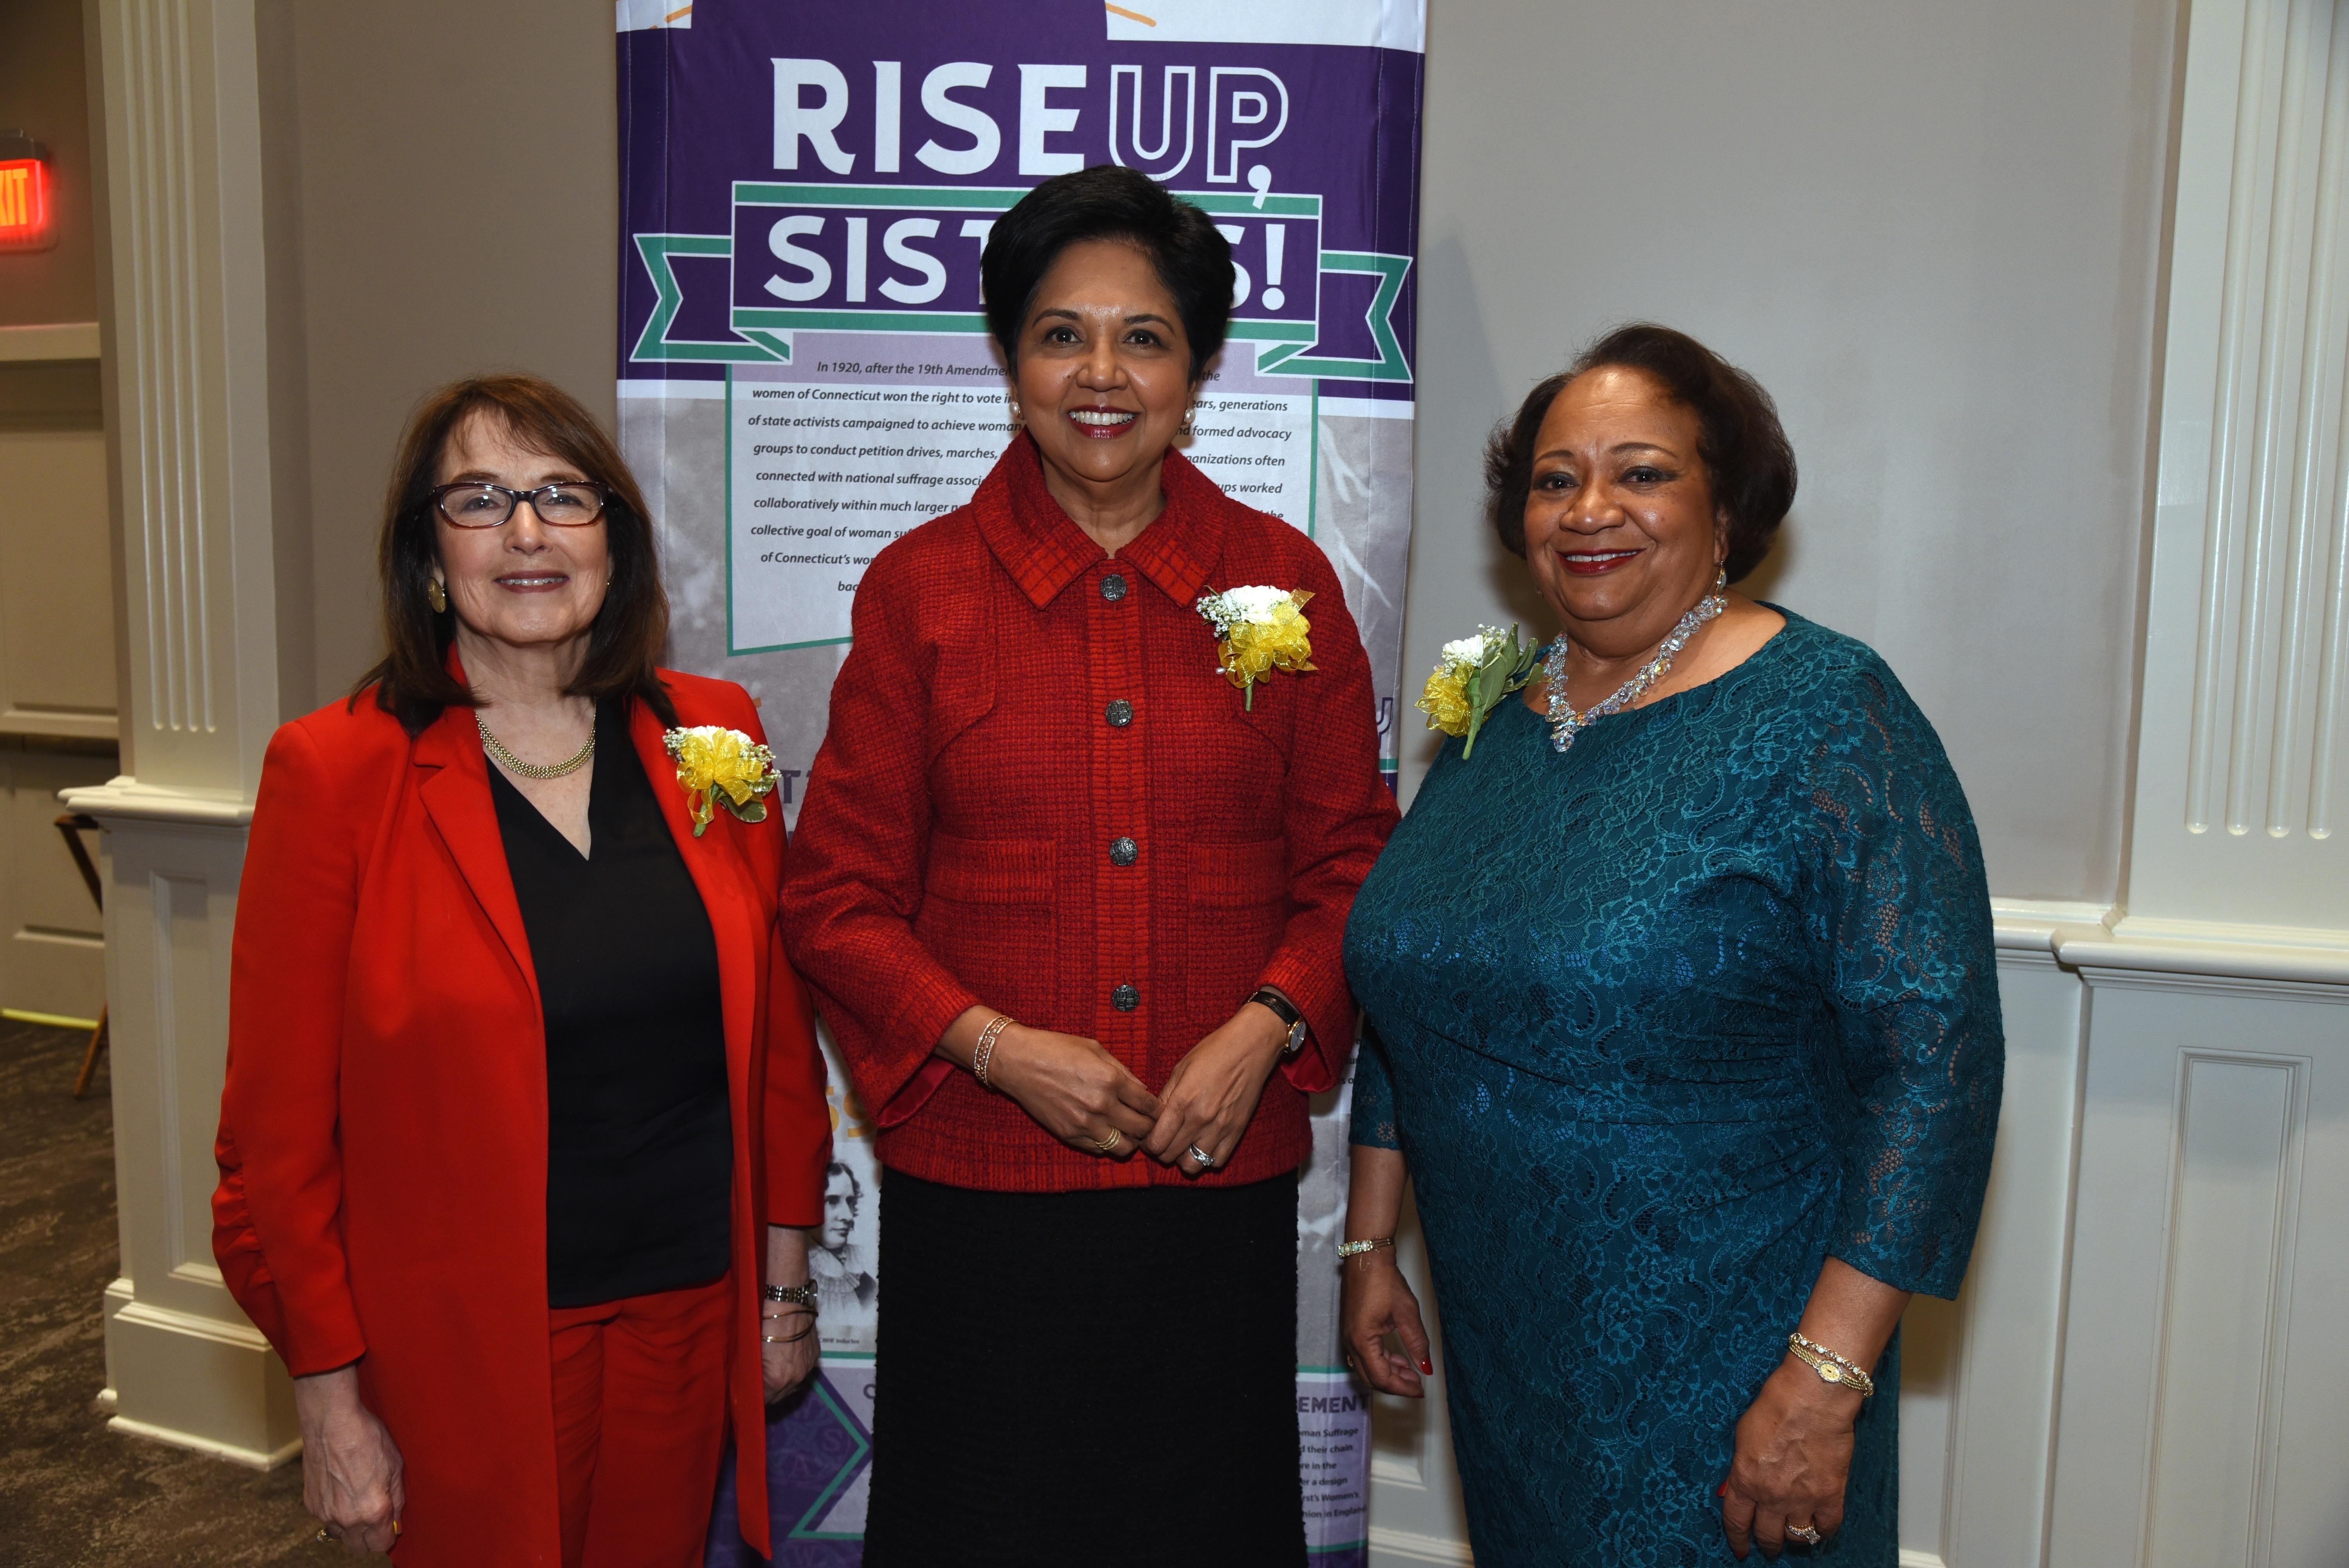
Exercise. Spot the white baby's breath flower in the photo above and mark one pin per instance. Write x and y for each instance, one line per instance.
(1256, 604)
(1251, 606)
(1467, 652)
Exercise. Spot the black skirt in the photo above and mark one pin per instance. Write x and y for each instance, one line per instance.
(1086, 1378)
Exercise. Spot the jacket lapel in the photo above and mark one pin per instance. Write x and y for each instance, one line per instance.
(714, 863)
(457, 795)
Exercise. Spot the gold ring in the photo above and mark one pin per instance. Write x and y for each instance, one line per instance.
(1107, 1145)
(322, 1534)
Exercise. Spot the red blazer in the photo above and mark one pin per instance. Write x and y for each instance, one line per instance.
(383, 1133)
(955, 845)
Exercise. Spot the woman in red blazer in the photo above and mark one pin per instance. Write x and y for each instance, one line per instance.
(522, 1105)
(1069, 892)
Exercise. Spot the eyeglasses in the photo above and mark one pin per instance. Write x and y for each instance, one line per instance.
(574, 505)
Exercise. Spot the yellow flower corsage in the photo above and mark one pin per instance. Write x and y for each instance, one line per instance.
(722, 766)
(1257, 631)
(1476, 673)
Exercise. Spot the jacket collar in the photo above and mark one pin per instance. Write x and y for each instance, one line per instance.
(457, 795)
(1044, 552)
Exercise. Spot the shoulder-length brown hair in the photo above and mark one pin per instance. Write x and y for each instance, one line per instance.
(412, 681)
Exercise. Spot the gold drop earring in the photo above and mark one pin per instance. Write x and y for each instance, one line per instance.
(437, 595)
(1016, 420)
(1190, 418)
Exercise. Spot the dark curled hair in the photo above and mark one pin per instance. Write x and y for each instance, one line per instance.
(855, 1188)
(1107, 203)
(1745, 452)
(412, 681)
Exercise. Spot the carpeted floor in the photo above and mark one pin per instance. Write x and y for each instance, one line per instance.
(73, 1493)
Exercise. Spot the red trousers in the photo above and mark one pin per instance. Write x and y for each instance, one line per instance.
(639, 1424)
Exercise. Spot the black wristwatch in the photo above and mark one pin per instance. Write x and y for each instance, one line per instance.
(1286, 1011)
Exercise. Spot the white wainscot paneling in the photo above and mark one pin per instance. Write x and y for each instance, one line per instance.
(2206, 1382)
(1416, 1516)
(1978, 1379)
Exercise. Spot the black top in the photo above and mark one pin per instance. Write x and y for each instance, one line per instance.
(640, 1148)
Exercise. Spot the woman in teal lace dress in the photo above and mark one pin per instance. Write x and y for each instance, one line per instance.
(1687, 1033)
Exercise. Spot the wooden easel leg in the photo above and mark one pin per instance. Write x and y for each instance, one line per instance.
(90, 1058)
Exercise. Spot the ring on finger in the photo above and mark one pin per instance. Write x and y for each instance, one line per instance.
(1207, 1160)
(1808, 1535)
(1107, 1145)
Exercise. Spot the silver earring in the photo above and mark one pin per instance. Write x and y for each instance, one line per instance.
(436, 595)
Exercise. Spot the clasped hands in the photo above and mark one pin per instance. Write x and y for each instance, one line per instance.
(1090, 1100)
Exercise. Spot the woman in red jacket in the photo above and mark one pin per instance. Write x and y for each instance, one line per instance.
(1071, 882)
(523, 1100)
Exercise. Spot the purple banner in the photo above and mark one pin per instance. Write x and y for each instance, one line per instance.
(804, 375)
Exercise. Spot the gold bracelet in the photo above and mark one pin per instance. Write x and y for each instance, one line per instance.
(983, 1052)
(1357, 1249)
(1830, 1367)
(778, 1316)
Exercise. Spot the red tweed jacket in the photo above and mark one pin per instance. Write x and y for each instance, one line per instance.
(1015, 702)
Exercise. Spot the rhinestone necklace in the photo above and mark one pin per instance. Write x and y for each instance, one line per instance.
(1564, 724)
(513, 764)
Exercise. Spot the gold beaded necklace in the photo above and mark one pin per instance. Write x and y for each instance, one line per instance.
(513, 764)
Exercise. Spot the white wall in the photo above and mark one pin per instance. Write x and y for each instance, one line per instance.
(1932, 231)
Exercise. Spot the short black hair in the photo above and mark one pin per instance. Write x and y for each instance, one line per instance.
(1745, 450)
(1108, 202)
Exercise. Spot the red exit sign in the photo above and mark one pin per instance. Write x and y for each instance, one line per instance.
(25, 205)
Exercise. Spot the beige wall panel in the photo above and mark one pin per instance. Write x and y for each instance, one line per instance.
(1934, 232)
(53, 957)
(44, 93)
(57, 620)
(412, 124)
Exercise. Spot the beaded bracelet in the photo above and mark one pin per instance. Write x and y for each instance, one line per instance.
(983, 1052)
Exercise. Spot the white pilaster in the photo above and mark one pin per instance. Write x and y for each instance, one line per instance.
(183, 153)
(2243, 760)
(2202, 1386)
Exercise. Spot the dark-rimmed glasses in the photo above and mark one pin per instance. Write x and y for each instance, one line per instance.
(574, 504)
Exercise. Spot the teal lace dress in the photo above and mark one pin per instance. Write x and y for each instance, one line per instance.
(1660, 1023)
